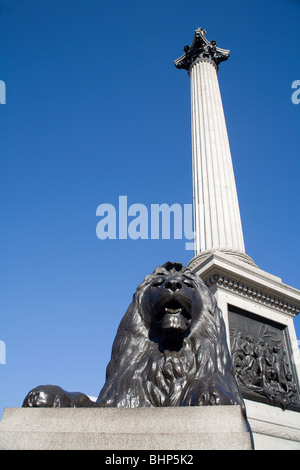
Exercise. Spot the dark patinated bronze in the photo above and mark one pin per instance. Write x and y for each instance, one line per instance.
(170, 350)
(201, 49)
(262, 360)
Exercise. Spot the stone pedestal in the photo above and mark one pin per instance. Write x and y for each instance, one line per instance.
(261, 307)
(185, 428)
(273, 428)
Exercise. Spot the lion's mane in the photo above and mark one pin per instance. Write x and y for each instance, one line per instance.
(142, 373)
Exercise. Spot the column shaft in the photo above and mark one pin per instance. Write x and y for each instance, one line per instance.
(217, 222)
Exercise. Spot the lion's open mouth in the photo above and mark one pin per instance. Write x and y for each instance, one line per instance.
(173, 316)
(173, 310)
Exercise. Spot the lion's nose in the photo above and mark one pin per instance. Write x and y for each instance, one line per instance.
(173, 285)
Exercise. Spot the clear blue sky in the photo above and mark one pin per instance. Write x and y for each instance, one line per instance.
(96, 109)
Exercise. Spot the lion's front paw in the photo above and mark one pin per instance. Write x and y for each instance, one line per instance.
(208, 394)
(46, 396)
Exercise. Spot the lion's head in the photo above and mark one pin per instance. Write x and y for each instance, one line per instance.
(170, 348)
(171, 305)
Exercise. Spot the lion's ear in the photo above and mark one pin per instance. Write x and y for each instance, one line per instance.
(169, 266)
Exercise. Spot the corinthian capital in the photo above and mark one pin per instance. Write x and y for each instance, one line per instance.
(201, 49)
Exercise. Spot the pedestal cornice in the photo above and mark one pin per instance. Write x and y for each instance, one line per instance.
(223, 270)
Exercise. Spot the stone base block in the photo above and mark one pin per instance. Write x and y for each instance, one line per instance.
(272, 427)
(186, 428)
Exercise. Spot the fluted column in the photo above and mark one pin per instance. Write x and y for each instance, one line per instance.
(217, 222)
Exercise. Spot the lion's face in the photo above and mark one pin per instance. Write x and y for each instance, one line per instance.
(174, 302)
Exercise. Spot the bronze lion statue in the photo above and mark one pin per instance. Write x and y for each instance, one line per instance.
(170, 350)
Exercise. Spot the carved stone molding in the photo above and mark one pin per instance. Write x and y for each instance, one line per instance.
(238, 255)
(269, 429)
(254, 294)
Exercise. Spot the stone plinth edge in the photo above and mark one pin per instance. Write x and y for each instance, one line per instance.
(180, 428)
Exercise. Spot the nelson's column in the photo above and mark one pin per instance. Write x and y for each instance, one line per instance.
(258, 307)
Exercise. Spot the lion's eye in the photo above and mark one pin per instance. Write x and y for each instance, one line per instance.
(158, 282)
(188, 284)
